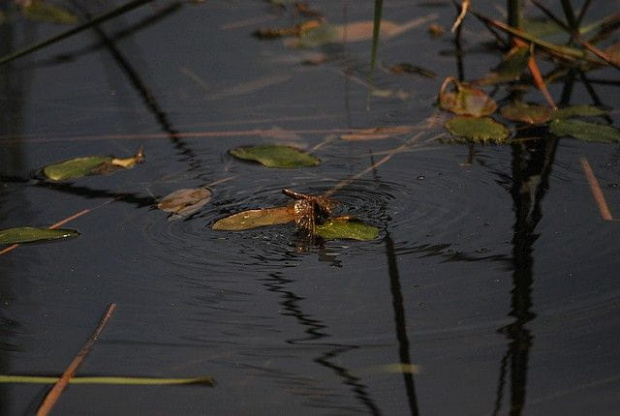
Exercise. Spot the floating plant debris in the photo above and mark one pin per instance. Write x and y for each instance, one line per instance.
(275, 156)
(466, 100)
(184, 202)
(32, 234)
(90, 165)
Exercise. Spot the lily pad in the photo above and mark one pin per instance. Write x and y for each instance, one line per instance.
(526, 113)
(346, 229)
(275, 156)
(466, 100)
(184, 202)
(255, 218)
(578, 111)
(31, 234)
(90, 165)
(584, 130)
(483, 129)
(510, 69)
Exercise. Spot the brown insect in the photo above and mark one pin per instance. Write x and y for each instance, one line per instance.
(309, 210)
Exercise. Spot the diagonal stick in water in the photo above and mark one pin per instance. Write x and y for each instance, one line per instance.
(56, 391)
(597, 192)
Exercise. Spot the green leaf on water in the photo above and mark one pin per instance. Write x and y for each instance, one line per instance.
(526, 113)
(479, 130)
(466, 100)
(124, 381)
(74, 168)
(90, 165)
(510, 69)
(255, 218)
(42, 11)
(346, 229)
(578, 110)
(31, 234)
(584, 130)
(275, 156)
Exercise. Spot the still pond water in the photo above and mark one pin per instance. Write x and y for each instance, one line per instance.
(494, 280)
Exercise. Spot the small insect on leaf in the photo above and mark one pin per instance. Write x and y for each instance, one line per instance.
(478, 130)
(255, 218)
(90, 165)
(184, 202)
(466, 100)
(31, 234)
(275, 156)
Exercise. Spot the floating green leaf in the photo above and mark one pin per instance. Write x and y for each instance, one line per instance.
(184, 202)
(32, 234)
(90, 165)
(275, 156)
(467, 100)
(74, 168)
(255, 218)
(584, 130)
(578, 110)
(510, 69)
(526, 113)
(44, 12)
(478, 129)
(346, 228)
(124, 381)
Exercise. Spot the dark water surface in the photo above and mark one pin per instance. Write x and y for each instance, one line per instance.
(494, 275)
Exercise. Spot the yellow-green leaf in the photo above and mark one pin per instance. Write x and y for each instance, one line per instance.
(123, 381)
(578, 111)
(90, 165)
(466, 100)
(481, 130)
(275, 156)
(31, 234)
(42, 11)
(74, 168)
(254, 218)
(526, 113)
(584, 130)
(346, 228)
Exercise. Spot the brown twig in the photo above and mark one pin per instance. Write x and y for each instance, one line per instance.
(56, 391)
(597, 193)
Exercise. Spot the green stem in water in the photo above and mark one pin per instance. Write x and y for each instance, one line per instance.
(97, 20)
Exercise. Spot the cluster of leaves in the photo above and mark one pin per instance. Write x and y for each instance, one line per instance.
(473, 109)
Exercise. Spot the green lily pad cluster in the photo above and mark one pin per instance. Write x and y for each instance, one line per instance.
(474, 108)
(275, 156)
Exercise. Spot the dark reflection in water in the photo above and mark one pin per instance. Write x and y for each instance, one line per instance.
(316, 331)
(531, 167)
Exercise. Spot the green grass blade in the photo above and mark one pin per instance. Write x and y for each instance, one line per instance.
(96, 21)
(125, 381)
